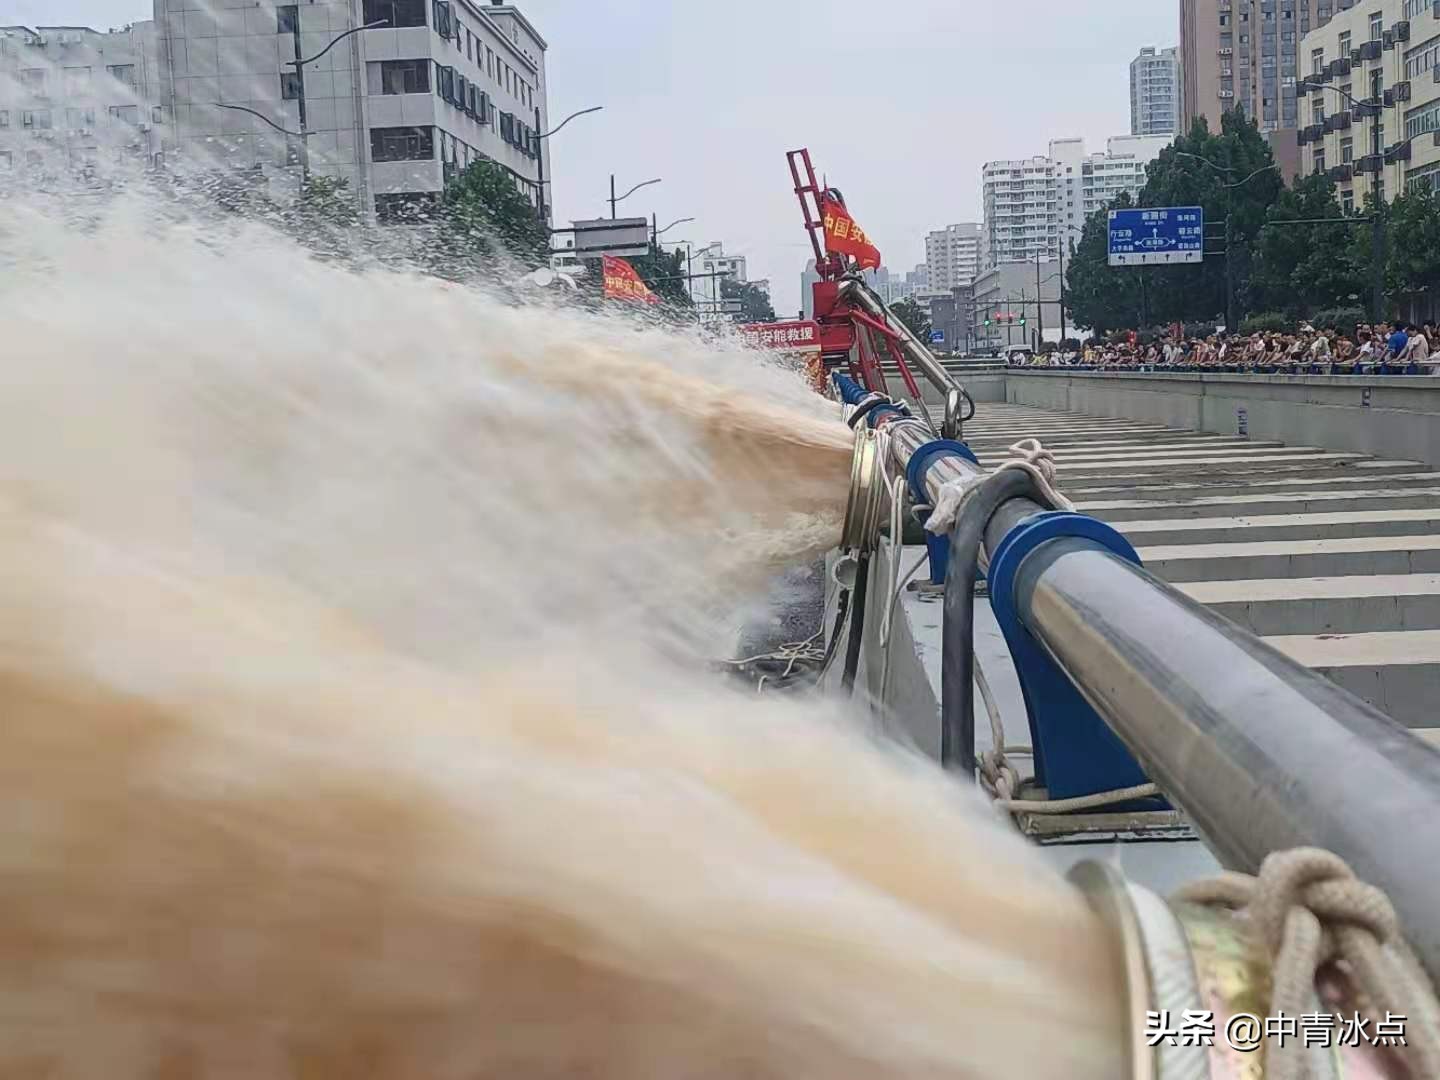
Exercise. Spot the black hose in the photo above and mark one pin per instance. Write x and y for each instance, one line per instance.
(957, 664)
(857, 622)
(842, 607)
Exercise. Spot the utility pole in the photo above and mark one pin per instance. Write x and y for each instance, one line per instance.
(1039, 308)
(1377, 255)
(1062, 288)
(612, 196)
(540, 169)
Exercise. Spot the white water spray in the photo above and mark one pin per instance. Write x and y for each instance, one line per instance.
(352, 725)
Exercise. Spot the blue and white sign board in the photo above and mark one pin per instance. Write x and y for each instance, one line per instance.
(937, 337)
(1159, 237)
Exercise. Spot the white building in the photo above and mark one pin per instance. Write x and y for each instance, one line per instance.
(953, 255)
(1155, 92)
(1033, 206)
(75, 101)
(394, 111)
(710, 265)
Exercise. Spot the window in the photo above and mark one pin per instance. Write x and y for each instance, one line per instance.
(292, 86)
(444, 24)
(1377, 26)
(1426, 177)
(4, 118)
(33, 80)
(399, 77)
(489, 62)
(402, 144)
(77, 80)
(1317, 111)
(79, 118)
(38, 119)
(1421, 120)
(1347, 151)
(405, 208)
(1345, 45)
(126, 114)
(396, 12)
(123, 74)
(469, 45)
(1317, 160)
(445, 82)
(1347, 201)
(1422, 59)
(1317, 61)
(287, 19)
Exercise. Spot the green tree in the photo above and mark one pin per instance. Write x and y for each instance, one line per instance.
(484, 219)
(755, 306)
(1303, 268)
(664, 273)
(324, 216)
(1413, 248)
(1099, 296)
(1240, 182)
(913, 316)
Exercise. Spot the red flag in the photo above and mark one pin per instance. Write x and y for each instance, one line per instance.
(622, 282)
(844, 237)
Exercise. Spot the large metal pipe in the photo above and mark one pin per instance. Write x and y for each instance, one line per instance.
(856, 292)
(1263, 753)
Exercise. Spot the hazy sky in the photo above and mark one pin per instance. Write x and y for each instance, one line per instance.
(899, 103)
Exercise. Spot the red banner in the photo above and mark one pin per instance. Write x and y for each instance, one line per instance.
(844, 237)
(622, 282)
(798, 336)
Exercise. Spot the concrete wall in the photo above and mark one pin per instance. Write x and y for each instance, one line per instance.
(1392, 417)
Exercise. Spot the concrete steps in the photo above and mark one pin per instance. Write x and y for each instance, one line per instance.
(1332, 557)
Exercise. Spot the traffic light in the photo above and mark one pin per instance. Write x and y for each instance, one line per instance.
(987, 320)
(1022, 320)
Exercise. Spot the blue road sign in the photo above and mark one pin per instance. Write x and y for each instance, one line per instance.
(1173, 234)
(937, 337)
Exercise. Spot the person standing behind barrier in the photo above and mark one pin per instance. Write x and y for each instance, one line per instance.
(1417, 348)
(1398, 340)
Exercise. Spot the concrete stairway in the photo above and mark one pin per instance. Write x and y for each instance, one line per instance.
(1334, 558)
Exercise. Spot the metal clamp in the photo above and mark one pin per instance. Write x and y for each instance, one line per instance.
(1076, 753)
(950, 427)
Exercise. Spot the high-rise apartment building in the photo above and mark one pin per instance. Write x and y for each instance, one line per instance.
(1246, 53)
(1036, 205)
(75, 101)
(395, 111)
(953, 255)
(1385, 56)
(1155, 92)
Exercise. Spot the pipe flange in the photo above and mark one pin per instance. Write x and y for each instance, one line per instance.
(1207, 961)
(862, 508)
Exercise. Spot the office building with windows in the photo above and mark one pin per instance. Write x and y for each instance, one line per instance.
(1247, 53)
(1370, 108)
(1155, 92)
(394, 110)
(1035, 205)
(954, 255)
(75, 101)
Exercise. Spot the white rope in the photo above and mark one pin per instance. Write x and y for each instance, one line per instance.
(1028, 455)
(1310, 910)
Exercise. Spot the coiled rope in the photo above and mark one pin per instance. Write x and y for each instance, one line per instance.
(1308, 909)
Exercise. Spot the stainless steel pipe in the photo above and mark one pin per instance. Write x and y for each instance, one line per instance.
(1263, 753)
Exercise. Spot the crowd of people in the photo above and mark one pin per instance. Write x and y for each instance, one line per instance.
(1396, 348)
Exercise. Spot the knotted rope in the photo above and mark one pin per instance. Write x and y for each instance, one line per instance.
(1308, 910)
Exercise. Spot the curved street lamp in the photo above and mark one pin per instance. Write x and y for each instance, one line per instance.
(621, 198)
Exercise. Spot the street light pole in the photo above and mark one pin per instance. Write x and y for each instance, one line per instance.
(621, 198)
(299, 65)
(540, 153)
